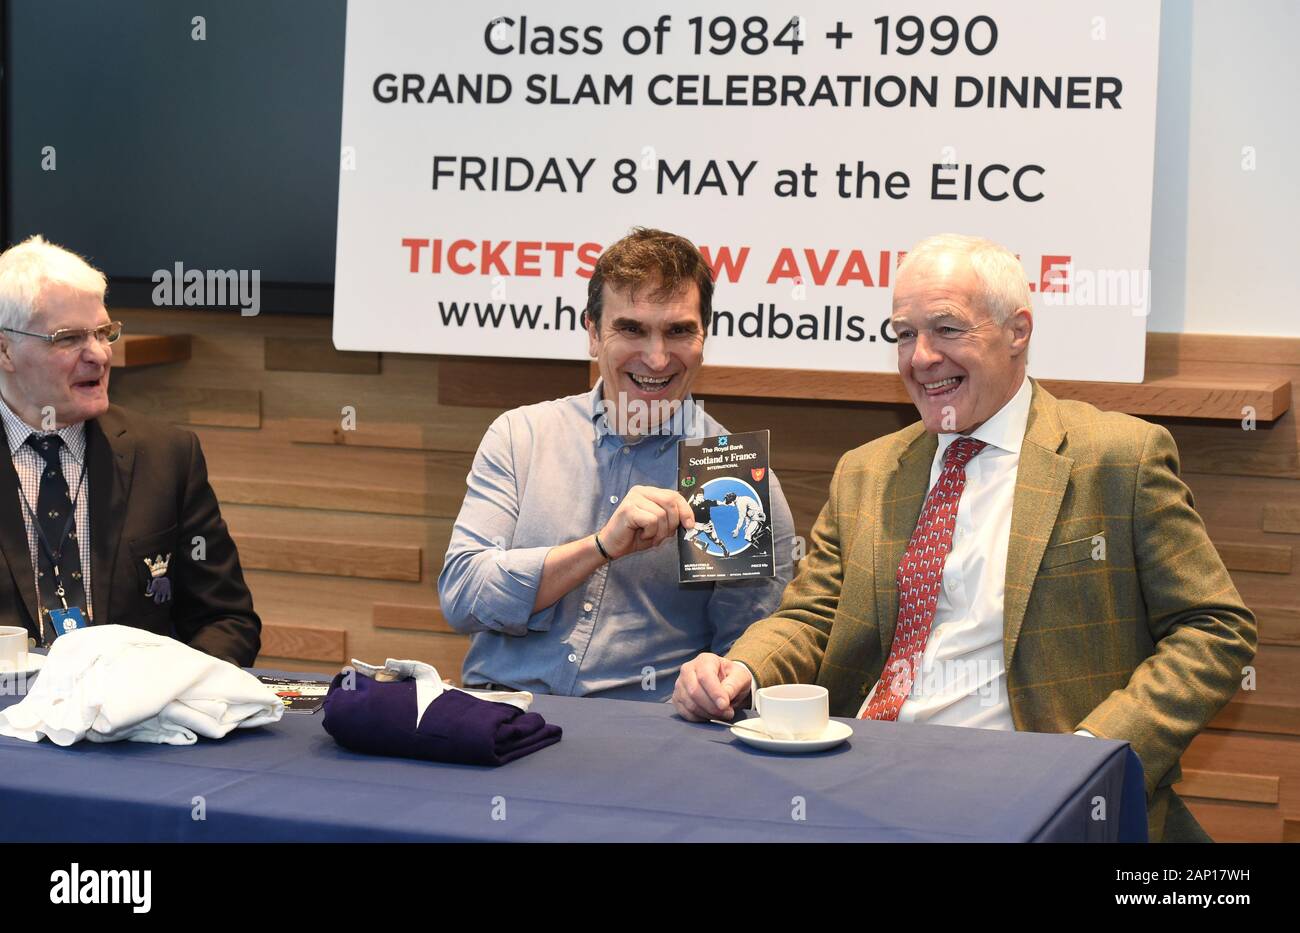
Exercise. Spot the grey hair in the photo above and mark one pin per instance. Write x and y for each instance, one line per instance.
(1003, 286)
(28, 268)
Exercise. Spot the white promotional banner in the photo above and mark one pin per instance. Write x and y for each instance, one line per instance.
(490, 153)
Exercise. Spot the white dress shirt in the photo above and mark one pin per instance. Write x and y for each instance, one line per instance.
(963, 680)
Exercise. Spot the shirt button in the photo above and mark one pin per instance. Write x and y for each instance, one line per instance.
(587, 607)
(613, 499)
(572, 658)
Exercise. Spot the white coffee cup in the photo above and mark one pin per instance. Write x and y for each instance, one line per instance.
(13, 648)
(794, 711)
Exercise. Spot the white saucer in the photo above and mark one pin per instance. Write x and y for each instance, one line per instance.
(832, 735)
(34, 663)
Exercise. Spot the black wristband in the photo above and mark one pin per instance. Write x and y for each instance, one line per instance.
(600, 547)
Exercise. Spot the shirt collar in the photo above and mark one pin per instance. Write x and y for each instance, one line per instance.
(689, 425)
(1006, 429)
(17, 431)
(597, 410)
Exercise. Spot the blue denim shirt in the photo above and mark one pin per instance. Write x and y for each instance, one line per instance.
(551, 473)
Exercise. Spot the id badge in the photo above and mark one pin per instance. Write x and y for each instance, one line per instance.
(67, 620)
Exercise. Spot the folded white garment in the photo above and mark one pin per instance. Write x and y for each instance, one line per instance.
(429, 685)
(109, 683)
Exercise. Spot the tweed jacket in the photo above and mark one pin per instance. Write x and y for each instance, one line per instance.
(1142, 638)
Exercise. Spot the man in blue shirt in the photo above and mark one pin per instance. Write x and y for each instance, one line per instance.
(555, 564)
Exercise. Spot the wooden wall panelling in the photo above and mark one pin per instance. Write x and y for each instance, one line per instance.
(1283, 519)
(1236, 506)
(211, 322)
(414, 617)
(1258, 558)
(149, 349)
(335, 496)
(371, 402)
(332, 601)
(1227, 451)
(1184, 396)
(266, 454)
(501, 384)
(1258, 716)
(191, 405)
(745, 381)
(444, 427)
(315, 354)
(347, 604)
(1228, 785)
(305, 643)
(1251, 753)
(1271, 449)
(336, 558)
(1271, 756)
(1274, 705)
(1219, 349)
(329, 431)
(438, 493)
(1278, 625)
(219, 342)
(1266, 589)
(1235, 509)
(402, 535)
(1227, 821)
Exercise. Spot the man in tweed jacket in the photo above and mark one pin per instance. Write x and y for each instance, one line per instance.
(1087, 590)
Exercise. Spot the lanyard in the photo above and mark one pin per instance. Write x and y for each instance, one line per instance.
(56, 557)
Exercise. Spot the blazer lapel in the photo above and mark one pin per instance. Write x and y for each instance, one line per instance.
(903, 494)
(111, 457)
(13, 534)
(1041, 479)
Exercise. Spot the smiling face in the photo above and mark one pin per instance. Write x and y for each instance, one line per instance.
(37, 375)
(959, 365)
(648, 351)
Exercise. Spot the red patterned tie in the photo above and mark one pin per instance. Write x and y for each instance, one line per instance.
(920, 575)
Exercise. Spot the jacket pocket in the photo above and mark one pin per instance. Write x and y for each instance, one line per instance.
(1070, 552)
(147, 551)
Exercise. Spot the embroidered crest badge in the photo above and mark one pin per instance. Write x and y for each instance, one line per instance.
(160, 588)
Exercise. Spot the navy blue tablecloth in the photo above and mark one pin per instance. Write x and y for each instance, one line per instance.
(625, 771)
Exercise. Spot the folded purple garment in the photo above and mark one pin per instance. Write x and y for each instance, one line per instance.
(379, 718)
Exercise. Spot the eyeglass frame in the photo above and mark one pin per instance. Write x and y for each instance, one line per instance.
(65, 331)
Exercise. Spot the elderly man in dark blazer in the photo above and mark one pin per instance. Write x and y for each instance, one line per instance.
(1012, 561)
(105, 516)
